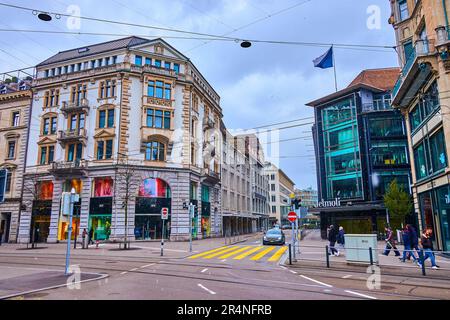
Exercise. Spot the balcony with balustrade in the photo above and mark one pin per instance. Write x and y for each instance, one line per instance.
(416, 70)
(81, 105)
(75, 168)
(68, 136)
(210, 176)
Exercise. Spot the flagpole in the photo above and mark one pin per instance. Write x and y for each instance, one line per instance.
(334, 65)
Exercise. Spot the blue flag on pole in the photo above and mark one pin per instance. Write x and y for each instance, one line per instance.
(325, 61)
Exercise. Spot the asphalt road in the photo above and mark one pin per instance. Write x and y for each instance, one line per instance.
(203, 278)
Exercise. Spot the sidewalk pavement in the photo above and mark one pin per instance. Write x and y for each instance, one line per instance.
(138, 249)
(313, 255)
(17, 281)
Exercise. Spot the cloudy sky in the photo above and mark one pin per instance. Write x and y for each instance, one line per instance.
(265, 84)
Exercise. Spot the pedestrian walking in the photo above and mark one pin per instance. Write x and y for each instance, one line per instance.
(414, 237)
(406, 236)
(91, 235)
(427, 249)
(390, 243)
(83, 237)
(341, 237)
(332, 237)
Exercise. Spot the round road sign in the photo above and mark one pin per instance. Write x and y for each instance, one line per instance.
(292, 216)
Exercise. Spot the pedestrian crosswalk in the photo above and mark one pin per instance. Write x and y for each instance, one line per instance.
(252, 253)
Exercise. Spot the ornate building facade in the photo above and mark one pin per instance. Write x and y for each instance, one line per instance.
(133, 127)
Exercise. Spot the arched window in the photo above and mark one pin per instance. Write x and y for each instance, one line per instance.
(154, 188)
(155, 151)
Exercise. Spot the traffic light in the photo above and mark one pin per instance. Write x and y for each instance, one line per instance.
(297, 203)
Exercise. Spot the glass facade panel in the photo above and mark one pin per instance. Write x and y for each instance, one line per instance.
(420, 162)
(154, 188)
(438, 154)
(386, 127)
(103, 187)
(443, 195)
(389, 153)
(342, 154)
(382, 180)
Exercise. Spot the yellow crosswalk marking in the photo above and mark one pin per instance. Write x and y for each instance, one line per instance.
(206, 253)
(278, 255)
(246, 254)
(262, 254)
(219, 253)
(226, 256)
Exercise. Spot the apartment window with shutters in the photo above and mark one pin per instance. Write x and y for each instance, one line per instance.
(8, 182)
(158, 119)
(11, 149)
(104, 149)
(78, 93)
(15, 119)
(49, 125)
(155, 151)
(106, 118)
(74, 152)
(107, 89)
(176, 68)
(46, 154)
(51, 98)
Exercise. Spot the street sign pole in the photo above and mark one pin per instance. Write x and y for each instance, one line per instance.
(293, 237)
(69, 236)
(191, 214)
(162, 238)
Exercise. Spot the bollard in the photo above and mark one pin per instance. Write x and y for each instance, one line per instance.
(422, 261)
(328, 257)
(290, 254)
(371, 256)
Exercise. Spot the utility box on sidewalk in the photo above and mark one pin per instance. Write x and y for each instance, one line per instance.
(357, 248)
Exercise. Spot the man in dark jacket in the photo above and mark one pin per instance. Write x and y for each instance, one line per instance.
(414, 237)
(332, 235)
(427, 245)
(390, 243)
(406, 236)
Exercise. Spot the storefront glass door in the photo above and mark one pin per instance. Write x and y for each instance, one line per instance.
(443, 195)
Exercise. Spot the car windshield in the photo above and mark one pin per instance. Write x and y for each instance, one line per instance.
(274, 233)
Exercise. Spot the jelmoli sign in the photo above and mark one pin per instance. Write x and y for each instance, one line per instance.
(329, 204)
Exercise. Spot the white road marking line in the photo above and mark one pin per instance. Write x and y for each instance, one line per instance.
(361, 295)
(206, 289)
(318, 282)
(347, 276)
(294, 272)
(283, 267)
(133, 269)
(204, 270)
(327, 290)
(148, 265)
(125, 272)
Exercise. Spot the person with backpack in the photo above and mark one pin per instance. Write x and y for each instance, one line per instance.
(332, 237)
(427, 245)
(390, 243)
(406, 236)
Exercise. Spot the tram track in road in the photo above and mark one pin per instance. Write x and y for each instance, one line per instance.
(259, 284)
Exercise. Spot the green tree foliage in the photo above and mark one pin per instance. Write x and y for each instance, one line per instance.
(397, 201)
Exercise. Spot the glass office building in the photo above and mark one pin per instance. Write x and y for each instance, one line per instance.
(361, 147)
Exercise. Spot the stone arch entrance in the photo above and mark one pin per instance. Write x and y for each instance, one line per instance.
(153, 195)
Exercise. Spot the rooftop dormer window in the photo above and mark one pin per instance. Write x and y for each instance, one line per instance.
(83, 50)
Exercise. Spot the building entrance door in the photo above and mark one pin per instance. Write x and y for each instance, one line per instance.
(5, 223)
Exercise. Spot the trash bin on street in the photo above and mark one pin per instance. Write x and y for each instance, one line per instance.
(357, 248)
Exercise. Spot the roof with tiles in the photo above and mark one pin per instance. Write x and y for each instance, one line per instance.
(378, 80)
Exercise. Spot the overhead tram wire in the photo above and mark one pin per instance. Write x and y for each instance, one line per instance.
(342, 46)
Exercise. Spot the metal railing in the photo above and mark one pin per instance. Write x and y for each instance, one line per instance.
(72, 134)
(328, 260)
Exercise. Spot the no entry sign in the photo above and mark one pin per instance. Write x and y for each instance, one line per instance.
(164, 213)
(292, 216)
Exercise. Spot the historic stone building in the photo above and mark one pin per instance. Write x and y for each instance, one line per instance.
(15, 102)
(133, 127)
(421, 93)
